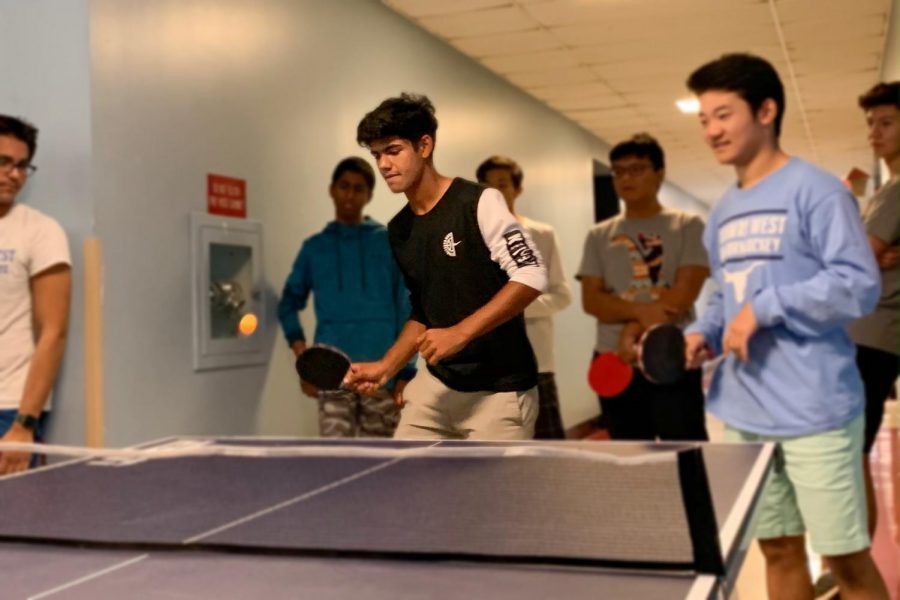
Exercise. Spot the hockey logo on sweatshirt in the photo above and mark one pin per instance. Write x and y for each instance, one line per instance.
(745, 242)
(518, 248)
(754, 236)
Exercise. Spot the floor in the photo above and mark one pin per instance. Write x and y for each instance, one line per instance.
(886, 474)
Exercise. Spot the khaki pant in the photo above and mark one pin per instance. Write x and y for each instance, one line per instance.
(434, 411)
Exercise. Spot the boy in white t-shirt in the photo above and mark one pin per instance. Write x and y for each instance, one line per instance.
(505, 175)
(35, 286)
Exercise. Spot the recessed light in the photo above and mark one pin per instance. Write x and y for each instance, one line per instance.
(689, 106)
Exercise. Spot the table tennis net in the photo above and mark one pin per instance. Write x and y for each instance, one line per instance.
(520, 503)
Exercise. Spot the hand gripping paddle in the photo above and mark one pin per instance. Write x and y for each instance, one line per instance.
(323, 367)
(661, 359)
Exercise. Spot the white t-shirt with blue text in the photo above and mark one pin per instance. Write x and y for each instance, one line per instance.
(30, 243)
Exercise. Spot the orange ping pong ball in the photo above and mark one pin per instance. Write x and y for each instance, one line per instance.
(248, 323)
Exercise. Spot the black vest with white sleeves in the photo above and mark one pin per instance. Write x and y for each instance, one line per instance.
(449, 272)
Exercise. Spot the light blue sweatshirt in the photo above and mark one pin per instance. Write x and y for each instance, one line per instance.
(794, 247)
(361, 301)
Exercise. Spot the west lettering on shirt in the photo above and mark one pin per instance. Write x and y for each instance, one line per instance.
(756, 236)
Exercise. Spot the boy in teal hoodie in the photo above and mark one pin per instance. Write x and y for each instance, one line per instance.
(361, 303)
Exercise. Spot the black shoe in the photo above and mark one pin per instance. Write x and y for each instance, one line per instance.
(825, 587)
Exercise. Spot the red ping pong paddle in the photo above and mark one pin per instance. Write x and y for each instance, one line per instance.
(609, 375)
(323, 366)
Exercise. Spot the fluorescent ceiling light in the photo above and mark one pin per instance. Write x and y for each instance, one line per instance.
(689, 106)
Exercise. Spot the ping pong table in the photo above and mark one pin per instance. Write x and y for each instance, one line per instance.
(360, 526)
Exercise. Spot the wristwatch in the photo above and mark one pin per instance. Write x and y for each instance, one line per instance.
(27, 421)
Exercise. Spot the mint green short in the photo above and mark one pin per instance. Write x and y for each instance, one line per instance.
(817, 486)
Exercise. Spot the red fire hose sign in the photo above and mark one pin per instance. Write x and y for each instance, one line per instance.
(226, 196)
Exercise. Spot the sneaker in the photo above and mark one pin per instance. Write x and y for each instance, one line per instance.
(825, 587)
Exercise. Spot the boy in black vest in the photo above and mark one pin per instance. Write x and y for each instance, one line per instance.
(471, 270)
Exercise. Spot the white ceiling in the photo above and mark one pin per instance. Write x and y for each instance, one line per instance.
(616, 67)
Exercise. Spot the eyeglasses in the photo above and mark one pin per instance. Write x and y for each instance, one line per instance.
(7, 165)
(632, 170)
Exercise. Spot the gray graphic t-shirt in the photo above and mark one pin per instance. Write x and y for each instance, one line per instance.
(638, 257)
(881, 328)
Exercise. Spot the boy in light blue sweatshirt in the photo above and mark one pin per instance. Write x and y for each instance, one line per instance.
(793, 267)
(361, 304)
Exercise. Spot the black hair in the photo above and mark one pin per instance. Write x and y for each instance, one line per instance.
(752, 78)
(21, 130)
(501, 162)
(641, 145)
(354, 164)
(408, 116)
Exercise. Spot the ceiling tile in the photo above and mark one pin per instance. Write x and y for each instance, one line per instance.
(616, 67)
(501, 44)
(478, 23)
(514, 63)
(429, 8)
(536, 78)
(592, 88)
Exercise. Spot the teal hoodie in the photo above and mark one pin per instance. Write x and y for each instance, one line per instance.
(360, 299)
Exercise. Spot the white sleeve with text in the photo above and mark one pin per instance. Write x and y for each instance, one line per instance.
(510, 244)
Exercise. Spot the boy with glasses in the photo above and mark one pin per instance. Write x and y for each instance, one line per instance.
(638, 270)
(35, 284)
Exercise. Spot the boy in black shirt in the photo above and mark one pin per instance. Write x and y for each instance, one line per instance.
(471, 269)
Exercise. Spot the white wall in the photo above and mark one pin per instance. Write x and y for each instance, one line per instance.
(180, 89)
(269, 91)
(46, 80)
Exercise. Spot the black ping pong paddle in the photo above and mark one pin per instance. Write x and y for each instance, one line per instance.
(661, 355)
(323, 366)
